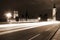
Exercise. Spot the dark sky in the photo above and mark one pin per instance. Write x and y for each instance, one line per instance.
(33, 6)
(43, 4)
(57, 3)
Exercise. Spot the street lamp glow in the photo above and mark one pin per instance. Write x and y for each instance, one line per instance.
(39, 18)
(8, 15)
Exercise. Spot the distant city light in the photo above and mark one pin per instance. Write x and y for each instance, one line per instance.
(39, 18)
(8, 15)
(15, 14)
(49, 19)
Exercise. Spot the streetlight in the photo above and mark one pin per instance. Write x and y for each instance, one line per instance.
(39, 18)
(8, 15)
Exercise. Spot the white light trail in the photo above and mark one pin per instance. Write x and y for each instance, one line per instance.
(8, 28)
(27, 24)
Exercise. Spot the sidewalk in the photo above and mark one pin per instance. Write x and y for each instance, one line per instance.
(57, 35)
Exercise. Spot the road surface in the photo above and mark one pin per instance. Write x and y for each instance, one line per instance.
(33, 33)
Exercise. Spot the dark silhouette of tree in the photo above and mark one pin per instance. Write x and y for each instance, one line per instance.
(26, 15)
(17, 18)
(45, 17)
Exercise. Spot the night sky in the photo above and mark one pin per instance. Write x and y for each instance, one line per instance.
(34, 7)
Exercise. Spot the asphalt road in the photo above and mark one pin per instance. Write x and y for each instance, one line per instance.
(38, 33)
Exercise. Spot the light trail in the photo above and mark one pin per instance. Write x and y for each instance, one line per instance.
(13, 26)
(8, 28)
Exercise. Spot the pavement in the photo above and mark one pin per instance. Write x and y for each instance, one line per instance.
(57, 35)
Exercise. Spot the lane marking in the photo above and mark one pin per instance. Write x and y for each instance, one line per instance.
(34, 37)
